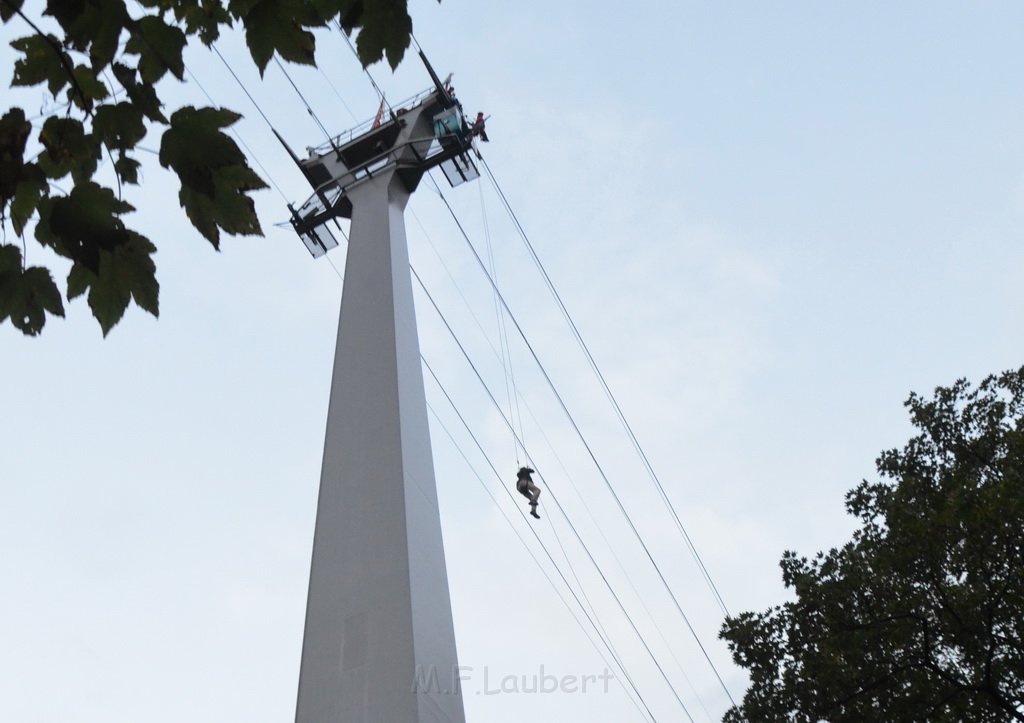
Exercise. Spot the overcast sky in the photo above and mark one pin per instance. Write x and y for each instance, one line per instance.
(770, 221)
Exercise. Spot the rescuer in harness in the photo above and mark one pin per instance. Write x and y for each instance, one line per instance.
(526, 487)
(479, 128)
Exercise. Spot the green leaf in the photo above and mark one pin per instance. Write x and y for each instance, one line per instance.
(351, 17)
(127, 169)
(107, 34)
(214, 175)
(93, 25)
(22, 184)
(86, 88)
(159, 47)
(240, 8)
(328, 10)
(14, 130)
(30, 190)
(68, 149)
(82, 225)
(79, 279)
(386, 28)
(8, 8)
(229, 208)
(125, 273)
(40, 64)
(119, 127)
(204, 19)
(142, 95)
(132, 265)
(278, 26)
(26, 294)
(194, 145)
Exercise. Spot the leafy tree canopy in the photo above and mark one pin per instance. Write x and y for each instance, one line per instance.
(920, 616)
(106, 63)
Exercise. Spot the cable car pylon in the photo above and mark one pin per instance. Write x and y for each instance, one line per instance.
(379, 640)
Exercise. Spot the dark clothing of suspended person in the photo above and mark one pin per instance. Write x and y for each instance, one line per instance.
(526, 487)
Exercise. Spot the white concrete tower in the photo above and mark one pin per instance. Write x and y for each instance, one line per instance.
(379, 643)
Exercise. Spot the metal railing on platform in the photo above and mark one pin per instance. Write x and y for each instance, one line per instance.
(346, 137)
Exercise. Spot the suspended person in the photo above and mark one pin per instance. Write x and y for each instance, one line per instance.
(478, 128)
(526, 487)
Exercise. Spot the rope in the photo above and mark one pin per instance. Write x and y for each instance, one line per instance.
(314, 116)
(506, 352)
(235, 133)
(242, 86)
(348, 41)
(586, 445)
(567, 475)
(608, 392)
(606, 641)
(554, 499)
(343, 103)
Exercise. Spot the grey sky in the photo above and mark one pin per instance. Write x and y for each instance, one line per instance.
(771, 221)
